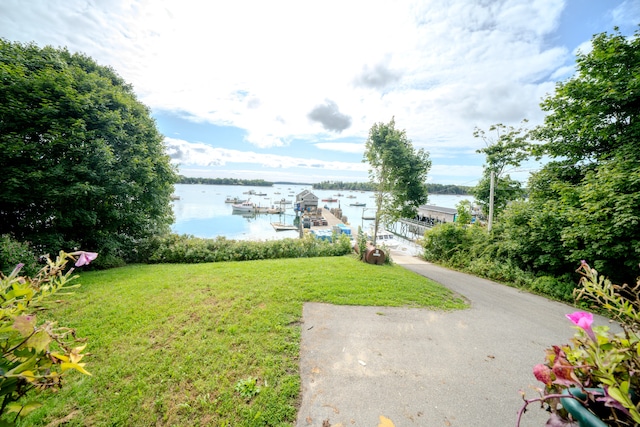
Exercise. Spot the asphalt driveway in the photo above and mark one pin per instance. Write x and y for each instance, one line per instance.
(419, 367)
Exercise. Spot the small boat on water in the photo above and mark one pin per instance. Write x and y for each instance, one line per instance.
(358, 204)
(330, 200)
(369, 214)
(280, 226)
(282, 201)
(236, 200)
(386, 238)
(245, 206)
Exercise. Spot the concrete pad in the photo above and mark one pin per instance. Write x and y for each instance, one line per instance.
(420, 367)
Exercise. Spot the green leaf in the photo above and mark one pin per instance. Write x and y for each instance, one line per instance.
(24, 366)
(620, 397)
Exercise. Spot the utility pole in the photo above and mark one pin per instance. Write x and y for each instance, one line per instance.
(491, 193)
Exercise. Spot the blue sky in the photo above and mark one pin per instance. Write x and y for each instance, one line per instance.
(288, 90)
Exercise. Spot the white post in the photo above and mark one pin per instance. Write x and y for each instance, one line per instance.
(491, 194)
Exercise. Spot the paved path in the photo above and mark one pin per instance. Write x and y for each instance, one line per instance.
(420, 367)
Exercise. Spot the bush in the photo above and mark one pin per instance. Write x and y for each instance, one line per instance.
(443, 242)
(475, 251)
(78, 127)
(35, 355)
(557, 287)
(109, 261)
(13, 253)
(455, 244)
(175, 248)
(599, 364)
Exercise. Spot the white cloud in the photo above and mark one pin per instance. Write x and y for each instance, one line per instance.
(343, 147)
(440, 67)
(459, 174)
(627, 14)
(264, 66)
(200, 154)
(563, 73)
(584, 48)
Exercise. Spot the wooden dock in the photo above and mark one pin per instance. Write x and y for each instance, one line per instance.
(330, 219)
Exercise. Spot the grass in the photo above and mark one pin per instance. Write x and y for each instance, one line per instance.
(181, 345)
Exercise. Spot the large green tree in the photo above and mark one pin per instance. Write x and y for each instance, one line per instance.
(592, 136)
(505, 146)
(398, 172)
(83, 164)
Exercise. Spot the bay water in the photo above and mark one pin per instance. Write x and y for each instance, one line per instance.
(200, 210)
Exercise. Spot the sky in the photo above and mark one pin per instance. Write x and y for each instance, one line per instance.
(288, 90)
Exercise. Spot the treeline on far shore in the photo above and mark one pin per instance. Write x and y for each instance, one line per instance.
(367, 186)
(223, 181)
(325, 185)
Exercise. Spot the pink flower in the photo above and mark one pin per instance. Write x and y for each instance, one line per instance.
(84, 258)
(583, 320)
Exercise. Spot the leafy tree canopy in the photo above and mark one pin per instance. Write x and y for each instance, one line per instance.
(592, 135)
(594, 115)
(398, 172)
(505, 190)
(83, 164)
(506, 146)
(464, 212)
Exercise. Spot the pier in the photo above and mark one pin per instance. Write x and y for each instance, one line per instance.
(330, 220)
(410, 229)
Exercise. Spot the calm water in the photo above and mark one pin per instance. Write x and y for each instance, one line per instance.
(202, 211)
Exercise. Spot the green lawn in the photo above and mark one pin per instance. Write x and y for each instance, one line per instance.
(169, 343)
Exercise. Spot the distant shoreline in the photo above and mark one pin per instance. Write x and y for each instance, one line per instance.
(327, 185)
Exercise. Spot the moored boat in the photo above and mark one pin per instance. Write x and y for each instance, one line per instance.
(282, 201)
(275, 210)
(236, 200)
(386, 238)
(279, 226)
(245, 206)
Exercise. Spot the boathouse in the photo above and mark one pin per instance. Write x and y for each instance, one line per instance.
(433, 215)
(306, 201)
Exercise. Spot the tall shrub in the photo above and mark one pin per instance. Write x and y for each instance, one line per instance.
(83, 164)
